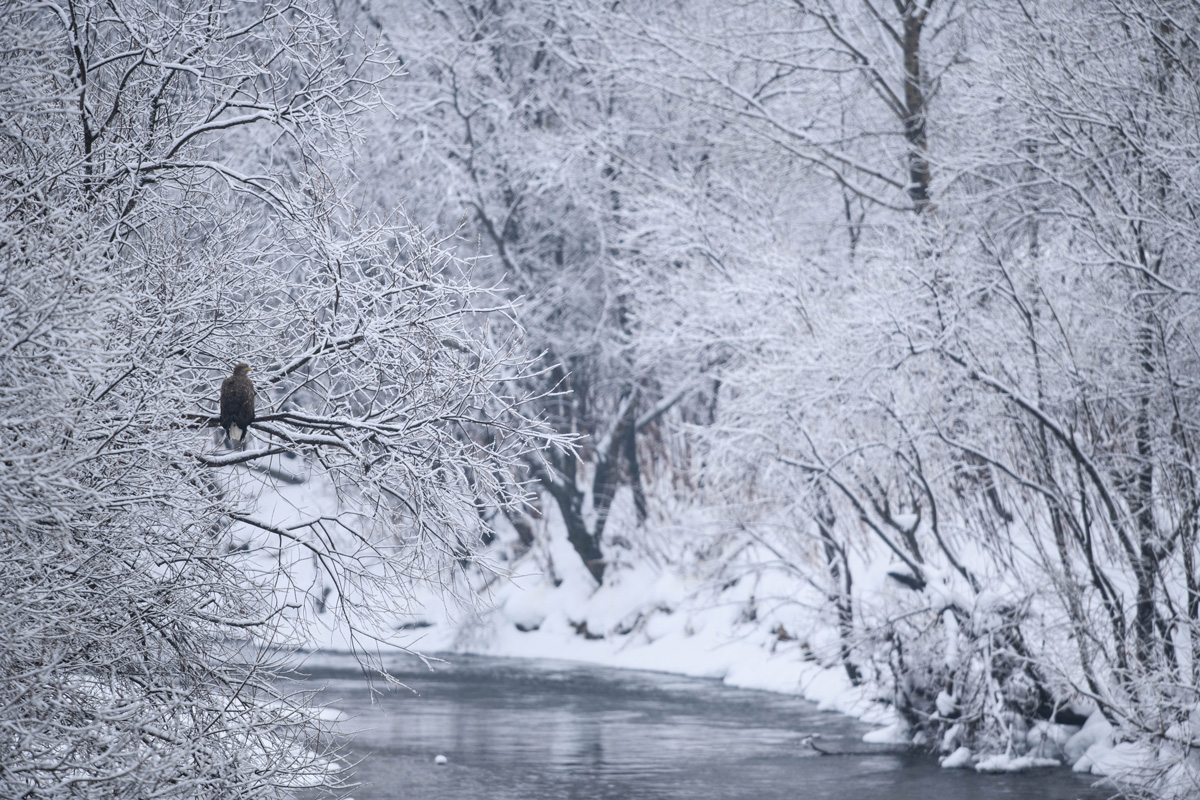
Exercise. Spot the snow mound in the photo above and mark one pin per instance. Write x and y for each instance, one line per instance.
(1097, 729)
(896, 733)
(962, 758)
(1121, 760)
(1006, 763)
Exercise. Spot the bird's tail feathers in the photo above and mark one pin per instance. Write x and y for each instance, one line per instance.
(234, 437)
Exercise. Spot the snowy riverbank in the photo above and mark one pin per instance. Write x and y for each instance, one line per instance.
(762, 628)
(660, 619)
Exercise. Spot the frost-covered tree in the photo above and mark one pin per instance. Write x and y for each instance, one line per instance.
(510, 119)
(174, 198)
(1083, 268)
(999, 405)
(806, 217)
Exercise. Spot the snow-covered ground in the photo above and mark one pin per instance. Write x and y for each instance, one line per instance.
(658, 619)
(650, 614)
(666, 617)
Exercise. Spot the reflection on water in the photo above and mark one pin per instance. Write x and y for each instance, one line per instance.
(538, 729)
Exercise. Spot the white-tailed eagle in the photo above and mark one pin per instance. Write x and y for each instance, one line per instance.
(237, 406)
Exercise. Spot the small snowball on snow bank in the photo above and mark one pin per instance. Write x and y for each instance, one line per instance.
(961, 758)
(440, 760)
(1003, 763)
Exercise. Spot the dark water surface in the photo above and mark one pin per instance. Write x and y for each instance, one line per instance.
(528, 730)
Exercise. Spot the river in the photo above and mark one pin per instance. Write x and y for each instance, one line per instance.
(532, 730)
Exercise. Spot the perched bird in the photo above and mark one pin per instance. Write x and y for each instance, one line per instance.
(237, 406)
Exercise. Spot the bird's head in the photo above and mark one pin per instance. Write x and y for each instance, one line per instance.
(241, 369)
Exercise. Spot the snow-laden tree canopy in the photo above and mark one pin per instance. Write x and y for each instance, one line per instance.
(175, 184)
(889, 304)
(871, 288)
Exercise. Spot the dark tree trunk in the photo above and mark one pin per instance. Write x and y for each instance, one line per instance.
(842, 598)
(915, 106)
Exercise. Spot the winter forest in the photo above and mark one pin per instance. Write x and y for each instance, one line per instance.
(863, 333)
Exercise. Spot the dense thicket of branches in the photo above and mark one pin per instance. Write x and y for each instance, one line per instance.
(174, 198)
(896, 288)
(902, 282)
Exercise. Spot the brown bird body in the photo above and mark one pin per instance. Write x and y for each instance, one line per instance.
(237, 405)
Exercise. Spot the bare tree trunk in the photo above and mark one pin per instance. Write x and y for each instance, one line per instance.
(842, 598)
(915, 105)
